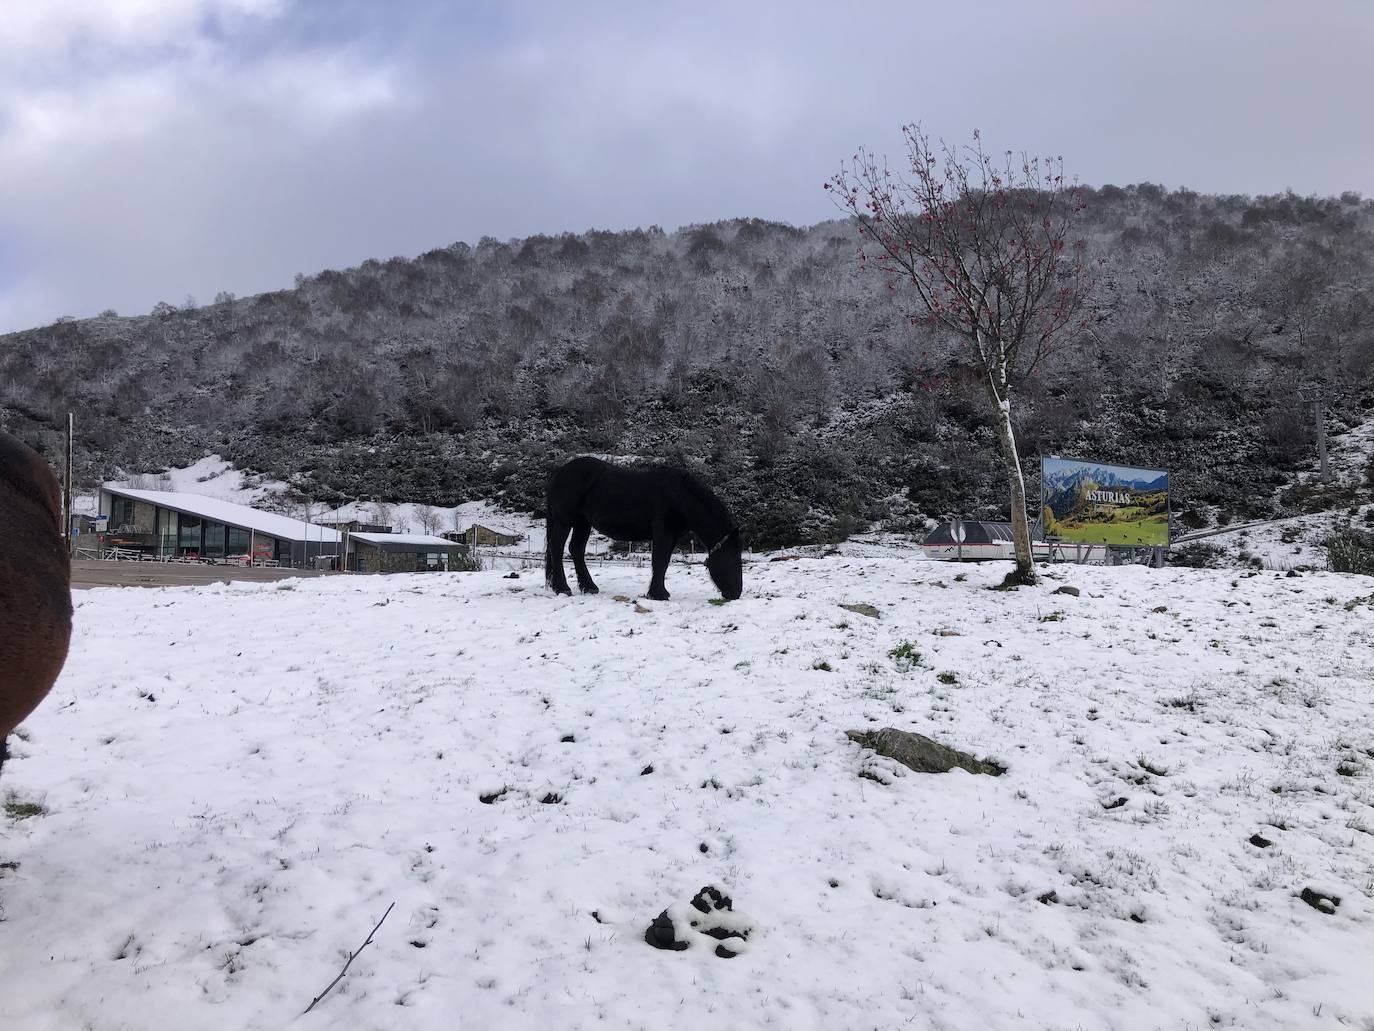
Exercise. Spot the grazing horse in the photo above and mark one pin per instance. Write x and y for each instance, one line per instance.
(651, 503)
(35, 584)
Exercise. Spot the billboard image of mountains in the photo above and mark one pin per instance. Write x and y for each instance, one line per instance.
(1104, 504)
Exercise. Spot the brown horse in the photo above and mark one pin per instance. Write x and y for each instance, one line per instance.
(35, 584)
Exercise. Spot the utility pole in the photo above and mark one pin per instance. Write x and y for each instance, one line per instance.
(1312, 394)
(67, 486)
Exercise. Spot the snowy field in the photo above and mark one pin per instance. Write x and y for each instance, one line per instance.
(230, 784)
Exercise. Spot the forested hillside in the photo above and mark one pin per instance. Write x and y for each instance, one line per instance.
(758, 353)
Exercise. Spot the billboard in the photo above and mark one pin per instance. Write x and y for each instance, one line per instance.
(1098, 503)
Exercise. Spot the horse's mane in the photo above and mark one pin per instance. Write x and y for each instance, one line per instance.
(712, 507)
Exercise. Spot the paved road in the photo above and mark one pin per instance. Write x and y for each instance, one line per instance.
(87, 573)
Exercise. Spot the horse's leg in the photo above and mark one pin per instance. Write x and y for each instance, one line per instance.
(663, 554)
(577, 548)
(556, 535)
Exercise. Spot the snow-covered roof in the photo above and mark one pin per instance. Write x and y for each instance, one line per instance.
(231, 514)
(404, 539)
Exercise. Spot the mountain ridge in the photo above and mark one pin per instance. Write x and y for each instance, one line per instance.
(755, 352)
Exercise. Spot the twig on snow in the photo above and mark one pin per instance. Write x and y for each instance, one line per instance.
(351, 957)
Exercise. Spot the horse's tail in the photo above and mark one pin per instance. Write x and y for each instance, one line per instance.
(549, 557)
(551, 561)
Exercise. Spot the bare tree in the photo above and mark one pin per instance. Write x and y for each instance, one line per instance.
(987, 247)
(429, 519)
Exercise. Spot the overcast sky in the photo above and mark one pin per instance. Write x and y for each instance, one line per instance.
(155, 149)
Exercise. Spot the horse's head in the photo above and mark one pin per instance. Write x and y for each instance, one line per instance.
(725, 563)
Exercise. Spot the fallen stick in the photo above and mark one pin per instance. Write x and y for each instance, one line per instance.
(351, 957)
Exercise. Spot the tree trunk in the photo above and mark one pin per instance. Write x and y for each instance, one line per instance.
(1020, 525)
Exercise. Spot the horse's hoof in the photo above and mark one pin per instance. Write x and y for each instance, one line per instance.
(589, 588)
(563, 590)
(659, 595)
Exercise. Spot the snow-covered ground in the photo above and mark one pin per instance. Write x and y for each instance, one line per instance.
(1297, 543)
(230, 784)
(1300, 542)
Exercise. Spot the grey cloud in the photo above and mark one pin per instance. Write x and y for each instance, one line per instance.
(249, 170)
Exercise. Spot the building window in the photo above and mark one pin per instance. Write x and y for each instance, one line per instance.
(188, 535)
(121, 512)
(238, 541)
(166, 531)
(214, 541)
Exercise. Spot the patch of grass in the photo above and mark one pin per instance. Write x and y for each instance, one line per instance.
(17, 810)
(905, 655)
(1152, 766)
(947, 677)
(822, 665)
(1189, 701)
(715, 601)
(1054, 617)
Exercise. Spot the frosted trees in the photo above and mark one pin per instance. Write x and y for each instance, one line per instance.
(987, 246)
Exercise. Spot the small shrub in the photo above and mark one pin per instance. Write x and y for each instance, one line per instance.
(947, 677)
(465, 563)
(1197, 556)
(1351, 551)
(1193, 519)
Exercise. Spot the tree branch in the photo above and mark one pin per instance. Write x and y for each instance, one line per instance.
(351, 957)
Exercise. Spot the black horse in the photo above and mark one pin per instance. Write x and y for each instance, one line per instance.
(649, 503)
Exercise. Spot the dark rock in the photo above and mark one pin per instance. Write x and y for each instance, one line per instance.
(646, 771)
(863, 610)
(567, 739)
(1047, 899)
(511, 576)
(710, 898)
(708, 902)
(1115, 803)
(1319, 901)
(703, 848)
(920, 753)
(1067, 590)
(660, 934)
(1259, 841)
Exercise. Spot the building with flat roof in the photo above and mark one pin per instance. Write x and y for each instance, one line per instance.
(402, 553)
(478, 535)
(171, 524)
